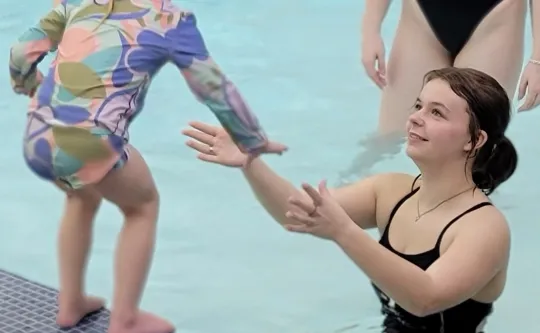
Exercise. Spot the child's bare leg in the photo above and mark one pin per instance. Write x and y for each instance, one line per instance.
(133, 190)
(74, 242)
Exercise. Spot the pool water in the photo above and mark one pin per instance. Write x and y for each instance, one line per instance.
(222, 264)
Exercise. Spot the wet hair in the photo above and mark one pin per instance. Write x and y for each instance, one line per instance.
(490, 110)
(110, 7)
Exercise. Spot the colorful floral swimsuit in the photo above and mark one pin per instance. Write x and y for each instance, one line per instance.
(78, 120)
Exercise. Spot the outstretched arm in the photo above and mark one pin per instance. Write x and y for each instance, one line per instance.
(212, 87)
(273, 192)
(34, 44)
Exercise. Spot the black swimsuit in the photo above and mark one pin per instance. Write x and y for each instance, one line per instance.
(467, 317)
(454, 21)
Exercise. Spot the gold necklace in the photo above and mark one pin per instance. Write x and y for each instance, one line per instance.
(419, 216)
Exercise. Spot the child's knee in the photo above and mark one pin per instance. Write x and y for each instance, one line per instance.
(148, 206)
(83, 203)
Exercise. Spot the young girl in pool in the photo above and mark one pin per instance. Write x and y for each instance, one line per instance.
(77, 131)
(442, 260)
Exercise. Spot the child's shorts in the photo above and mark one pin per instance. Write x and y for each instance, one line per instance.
(74, 156)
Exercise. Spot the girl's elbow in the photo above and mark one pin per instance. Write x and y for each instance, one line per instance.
(424, 305)
(429, 304)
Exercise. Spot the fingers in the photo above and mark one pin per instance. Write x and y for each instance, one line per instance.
(305, 206)
(313, 194)
(373, 73)
(377, 78)
(323, 189)
(302, 229)
(302, 218)
(205, 128)
(20, 90)
(381, 69)
(202, 137)
(369, 67)
(275, 148)
(209, 158)
(270, 148)
(381, 66)
(374, 76)
(200, 147)
(522, 88)
(530, 102)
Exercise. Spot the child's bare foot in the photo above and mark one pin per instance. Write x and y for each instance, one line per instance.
(144, 322)
(69, 315)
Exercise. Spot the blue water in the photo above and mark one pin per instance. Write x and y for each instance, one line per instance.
(222, 265)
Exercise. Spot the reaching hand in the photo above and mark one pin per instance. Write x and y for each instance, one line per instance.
(269, 148)
(327, 220)
(214, 145)
(29, 86)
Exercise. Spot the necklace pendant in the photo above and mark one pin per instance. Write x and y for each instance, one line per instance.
(417, 218)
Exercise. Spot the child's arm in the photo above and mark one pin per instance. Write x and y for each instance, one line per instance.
(33, 45)
(211, 87)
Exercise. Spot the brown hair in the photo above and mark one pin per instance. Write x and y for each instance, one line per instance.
(490, 110)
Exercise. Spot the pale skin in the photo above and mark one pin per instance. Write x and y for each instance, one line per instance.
(474, 251)
(415, 50)
(132, 189)
(400, 77)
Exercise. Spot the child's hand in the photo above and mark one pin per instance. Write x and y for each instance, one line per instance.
(29, 86)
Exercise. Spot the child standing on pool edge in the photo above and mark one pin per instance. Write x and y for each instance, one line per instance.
(77, 131)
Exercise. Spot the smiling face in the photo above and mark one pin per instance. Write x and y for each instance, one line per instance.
(459, 121)
(439, 127)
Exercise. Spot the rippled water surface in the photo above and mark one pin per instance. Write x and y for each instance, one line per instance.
(222, 265)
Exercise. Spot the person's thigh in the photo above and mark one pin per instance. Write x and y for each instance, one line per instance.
(496, 47)
(415, 51)
(130, 186)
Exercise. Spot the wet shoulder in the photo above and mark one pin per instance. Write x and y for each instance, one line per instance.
(480, 219)
(391, 188)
